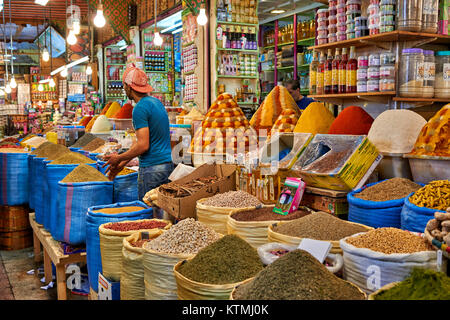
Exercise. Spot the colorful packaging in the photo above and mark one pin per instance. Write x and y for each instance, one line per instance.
(444, 14)
(290, 196)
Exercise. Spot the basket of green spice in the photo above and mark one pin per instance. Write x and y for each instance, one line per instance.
(251, 225)
(421, 284)
(132, 275)
(319, 226)
(111, 240)
(297, 275)
(217, 269)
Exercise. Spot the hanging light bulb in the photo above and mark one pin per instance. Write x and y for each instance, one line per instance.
(89, 70)
(64, 72)
(2, 93)
(71, 38)
(40, 87)
(8, 88)
(52, 83)
(45, 54)
(99, 19)
(13, 83)
(76, 26)
(157, 40)
(202, 19)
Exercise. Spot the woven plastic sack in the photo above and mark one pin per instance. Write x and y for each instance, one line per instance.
(93, 156)
(54, 174)
(188, 289)
(39, 185)
(377, 214)
(126, 188)
(100, 163)
(111, 243)
(30, 180)
(93, 222)
(132, 276)
(414, 218)
(370, 270)
(13, 179)
(159, 278)
(216, 217)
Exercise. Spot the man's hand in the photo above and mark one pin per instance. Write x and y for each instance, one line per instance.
(112, 172)
(113, 160)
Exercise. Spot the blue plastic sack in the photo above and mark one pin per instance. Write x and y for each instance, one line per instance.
(73, 202)
(13, 179)
(74, 149)
(54, 174)
(376, 214)
(39, 179)
(93, 222)
(93, 155)
(126, 188)
(414, 218)
(100, 163)
(30, 180)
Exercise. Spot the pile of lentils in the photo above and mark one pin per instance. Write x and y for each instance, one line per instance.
(72, 158)
(84, 173)
(228, 260)
(390, 240)
(120, 209)
(232, 199)
(297, 275)
(319, 226)
(186, 237)
(84, 140)
(267, 214)
(135, 225)
(391, 189)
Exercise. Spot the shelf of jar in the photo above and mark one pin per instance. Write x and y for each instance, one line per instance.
(236, 77)
(285, 68)
(239, 50)
(392, 36)
(299, 42)
(353, 95)
(238, 23)
(403, 99)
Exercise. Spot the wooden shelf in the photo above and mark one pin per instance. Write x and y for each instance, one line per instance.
(386, 37)
(353, 95)
(239, 50)
(299, 42)
(238, 23)
(285, 68)
(115, 64)
(236, 77)
(402, 99)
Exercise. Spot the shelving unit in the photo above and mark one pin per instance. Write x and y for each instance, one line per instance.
(114, 66)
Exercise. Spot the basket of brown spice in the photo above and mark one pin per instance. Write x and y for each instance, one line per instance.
(319, 226)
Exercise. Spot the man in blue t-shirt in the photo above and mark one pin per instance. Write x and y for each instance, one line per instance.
(293, 87)
(151, 124)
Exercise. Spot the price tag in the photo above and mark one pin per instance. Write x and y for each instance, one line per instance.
(439, 260)
(318, 249)
(145, 235)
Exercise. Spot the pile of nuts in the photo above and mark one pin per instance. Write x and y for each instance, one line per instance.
(135, 225)
(233, 199)
(439, 227)
(390, 240)
(186, 237)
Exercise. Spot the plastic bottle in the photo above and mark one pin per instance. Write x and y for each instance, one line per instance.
(343, 72)
(328, 72)
(313, 73)
(352, 66)
(335, 72)
(320, 74)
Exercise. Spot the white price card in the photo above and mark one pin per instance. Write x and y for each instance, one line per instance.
(318, 249)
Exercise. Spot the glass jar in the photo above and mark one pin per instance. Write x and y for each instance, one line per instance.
(410, 15)
(373, 73)
(361, 74)
(442, 84)
(374, 60)
(373, 85)
(387, 85)
(361, 86)
(387, 72)
(428, 74)
(411, 71)
(387, 59)
(430, 16)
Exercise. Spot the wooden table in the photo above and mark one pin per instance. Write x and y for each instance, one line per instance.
(53, 253)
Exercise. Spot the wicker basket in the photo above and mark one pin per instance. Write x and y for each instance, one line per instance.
(383, 288)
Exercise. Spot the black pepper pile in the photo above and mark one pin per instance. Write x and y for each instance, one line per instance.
(391, 189)
(297, 275)
(227, 260)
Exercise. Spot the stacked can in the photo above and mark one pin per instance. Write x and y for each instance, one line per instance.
(361, 29)
(353, 8)
(373, 12)
(373, 73)
(332, 21)
(322, 26)
(387, 72)
(341, 20)
(387, 15)
(361, 74)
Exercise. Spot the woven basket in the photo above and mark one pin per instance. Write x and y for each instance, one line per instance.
(384, 288)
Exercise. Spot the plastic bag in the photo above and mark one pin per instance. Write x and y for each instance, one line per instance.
(414, 218)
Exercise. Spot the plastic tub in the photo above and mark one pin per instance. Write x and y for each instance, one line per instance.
(373, 9)
(373, 73)
(361, 32)
(373, 85)
(332, 19)
(387, 59)
(342, 27)
(374, 20)
(350, 26)
(353, 5)
(387, 85)
(410, 15)
(341, 18)
(363, 62)
(121, 124)
(361, 74)
(387, 72)
(374, 60)
(332, 37)
(425, 169)
(322, 40)
(341, 8)
(322, 23)
(361, 86)
(341, 36)
(360, 22)
(322, 13)
(442, 81)
(332, 28)
(350, 35)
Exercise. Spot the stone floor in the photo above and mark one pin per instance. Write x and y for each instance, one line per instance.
(16, 284)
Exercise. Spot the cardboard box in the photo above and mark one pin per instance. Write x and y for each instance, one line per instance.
(334, 202)
(182, 208)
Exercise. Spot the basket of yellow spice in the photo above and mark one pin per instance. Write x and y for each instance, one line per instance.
(217, 269)
(113, 233)
(317, 225)
(421, 205)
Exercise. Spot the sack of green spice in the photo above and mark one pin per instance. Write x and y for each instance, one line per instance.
(132, 285)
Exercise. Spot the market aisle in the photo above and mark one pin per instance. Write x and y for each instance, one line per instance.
(15, 283)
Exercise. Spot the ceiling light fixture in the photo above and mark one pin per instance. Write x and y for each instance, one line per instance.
(13, 82)
(45, 54)
(40, 87)
(8, 88)
(277, 11)
(52, 83)
(71, 38)
(99, 19)
(76, 26)
(41, 2)
(157, 40)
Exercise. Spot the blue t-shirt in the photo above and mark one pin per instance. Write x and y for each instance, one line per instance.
(150, 112)
(304, 102)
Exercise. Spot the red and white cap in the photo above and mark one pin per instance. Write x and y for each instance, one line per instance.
(136, 79)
